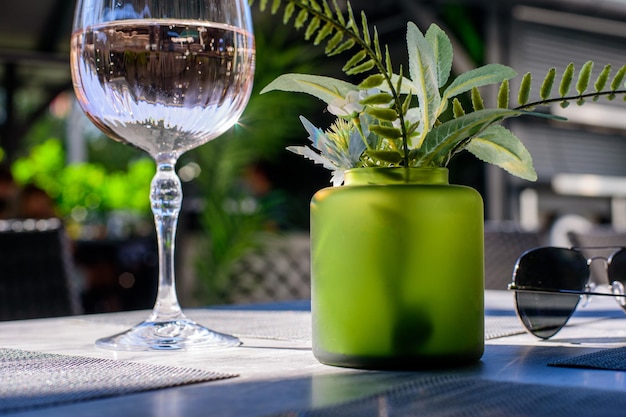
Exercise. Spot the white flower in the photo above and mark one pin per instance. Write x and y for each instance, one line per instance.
(350, 106)
(346, 107)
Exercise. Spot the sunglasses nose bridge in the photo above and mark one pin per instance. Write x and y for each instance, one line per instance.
(605, 267)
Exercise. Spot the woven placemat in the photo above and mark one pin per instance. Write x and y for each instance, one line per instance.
(286, 325)
(34, 379)
(296, 326)
(610, 359)
(502, 326)
(458, 396)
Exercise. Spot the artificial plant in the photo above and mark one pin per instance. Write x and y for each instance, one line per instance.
(395, 119)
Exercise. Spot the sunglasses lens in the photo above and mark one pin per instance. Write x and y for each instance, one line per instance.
(544, 314)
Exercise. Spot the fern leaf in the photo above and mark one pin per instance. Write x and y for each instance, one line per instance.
(301, 19)
(457, 108)
(372, 81)
(546, 86)
(327, 10)
(290, 8)
(374, 99)
(348, 44)
(323, 33)
(386, 131)
(524, 89)
(583, 77)
(275, 6)
(400, 78)
(477, 99)
(387, 115)
(407, 103)
(333, 42)
(503, 95)
(351, 20)
(388, 61)
(314, 24)
(566, 80)
(356, 58)
(263, 5)
(365, 28)
(364, 67)
(315, 6)
(616, 84)
(603, 78)
(339, 14)
(379, 54)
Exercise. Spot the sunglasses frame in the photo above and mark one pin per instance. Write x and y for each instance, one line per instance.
(617, 287)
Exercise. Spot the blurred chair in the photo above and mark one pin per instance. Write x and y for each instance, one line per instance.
(279, 270)
(596, 237)
(504, 243)
(36, 273)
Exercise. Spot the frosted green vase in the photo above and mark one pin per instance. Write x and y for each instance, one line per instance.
(397, 270)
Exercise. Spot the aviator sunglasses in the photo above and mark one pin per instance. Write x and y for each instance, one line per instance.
(549, 282)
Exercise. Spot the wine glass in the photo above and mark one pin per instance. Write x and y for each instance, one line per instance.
(165, 77)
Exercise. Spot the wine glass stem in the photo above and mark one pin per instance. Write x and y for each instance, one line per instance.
(166, 198)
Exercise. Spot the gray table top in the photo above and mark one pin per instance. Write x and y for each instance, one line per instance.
(278, 372)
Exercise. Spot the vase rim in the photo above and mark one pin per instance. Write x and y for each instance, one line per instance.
(396, 175)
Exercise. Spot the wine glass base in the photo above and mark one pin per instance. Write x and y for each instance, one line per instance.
(181, 334)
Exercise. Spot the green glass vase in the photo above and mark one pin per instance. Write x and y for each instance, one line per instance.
(397, 270)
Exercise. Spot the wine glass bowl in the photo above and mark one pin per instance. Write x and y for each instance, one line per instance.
(164, 77)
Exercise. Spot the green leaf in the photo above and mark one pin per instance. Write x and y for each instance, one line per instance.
(379, 54)
(326, 89)
(457, 108)
(503, 95)
(566, 80)
(314, 24)
(477, 99)
(301, 18)
(442, 141)
(333, 42)
(290, 8)
(371, 82)
(485, 75)
(342, 48)
(499, 146)
(324, 32)
(603, 78)
(366, 31)
(338, 13)
(442, 47)
(275, 6)
(392, 157)
(386, 131)
(524, 90)
(380, 98)
(616, 84)
(546, 86)
(366, 66)
(583, 77)
(356, 58)
(423, 72)
(388, 115)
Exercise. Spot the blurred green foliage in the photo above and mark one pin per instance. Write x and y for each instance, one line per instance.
(85, 191)
(234, 212)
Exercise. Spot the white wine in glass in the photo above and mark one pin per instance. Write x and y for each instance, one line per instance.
(165, 77)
